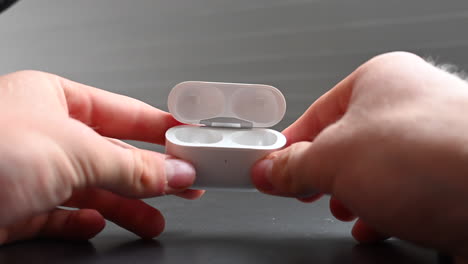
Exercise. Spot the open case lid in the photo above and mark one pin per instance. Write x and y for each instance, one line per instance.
(227, 104)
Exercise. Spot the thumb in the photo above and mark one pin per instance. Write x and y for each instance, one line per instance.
(302, 169)
(141, 173)
(128, 171)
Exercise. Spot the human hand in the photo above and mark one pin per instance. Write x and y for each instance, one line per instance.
(58, 146)
(390, 144)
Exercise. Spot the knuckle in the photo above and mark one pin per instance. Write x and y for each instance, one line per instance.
(388, 60)
(136, 172)
(144, 174)
(31, 80)
(27, 74)
(389, 71)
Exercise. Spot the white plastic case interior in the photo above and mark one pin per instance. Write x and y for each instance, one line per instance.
(227, 132)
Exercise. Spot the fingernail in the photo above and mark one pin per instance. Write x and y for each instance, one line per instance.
(262, 174)
(179, 174)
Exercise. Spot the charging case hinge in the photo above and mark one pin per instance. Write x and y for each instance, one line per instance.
(226, 122)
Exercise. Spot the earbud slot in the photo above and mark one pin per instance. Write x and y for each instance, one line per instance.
(198, 135)
(254, 138)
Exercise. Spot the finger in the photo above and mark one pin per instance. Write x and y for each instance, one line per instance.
(114, 115)
(72, 225)
(125, 170)
(191, 194)
(320, 143)
(340, 211)
(363, 233)
(329, 108)
(303, 169)
(186, 194)
(132, 214)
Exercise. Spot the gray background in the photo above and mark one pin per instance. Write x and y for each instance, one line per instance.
(142, 48)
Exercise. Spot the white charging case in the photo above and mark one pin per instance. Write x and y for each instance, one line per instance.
(228, 131)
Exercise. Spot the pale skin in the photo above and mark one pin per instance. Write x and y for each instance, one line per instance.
(389, 143)
(59, 146)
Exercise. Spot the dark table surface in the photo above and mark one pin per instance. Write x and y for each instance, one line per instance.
(227, 227)
(142, 48)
